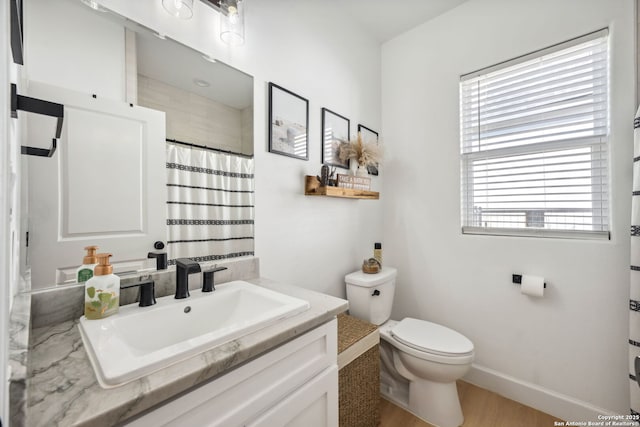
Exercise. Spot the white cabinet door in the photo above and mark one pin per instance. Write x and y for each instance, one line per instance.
(104, 186)
(315, 404)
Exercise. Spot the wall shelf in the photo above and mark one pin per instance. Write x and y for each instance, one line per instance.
(312, 187)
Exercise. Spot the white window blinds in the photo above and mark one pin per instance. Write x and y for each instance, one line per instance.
(534, 143)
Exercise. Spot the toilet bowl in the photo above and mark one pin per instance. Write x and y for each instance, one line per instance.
(431, 368)
(430, 357)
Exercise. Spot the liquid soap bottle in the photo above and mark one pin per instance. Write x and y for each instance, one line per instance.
(377, 252)
(89, 262)
(102, 291)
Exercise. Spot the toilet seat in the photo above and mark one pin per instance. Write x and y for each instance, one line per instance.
(428, 341)
(431, 337)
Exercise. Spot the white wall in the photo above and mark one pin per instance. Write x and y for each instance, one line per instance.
(93, 63)
(316, 52)
(574, 341)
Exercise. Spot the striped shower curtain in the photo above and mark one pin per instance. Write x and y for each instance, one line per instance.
(634, 301)
(210, 204)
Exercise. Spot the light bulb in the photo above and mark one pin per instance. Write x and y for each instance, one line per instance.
(233, 15)
(232, 23)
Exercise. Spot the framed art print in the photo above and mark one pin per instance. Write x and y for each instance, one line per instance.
(369, 135)
(288, 123)
(335, 132)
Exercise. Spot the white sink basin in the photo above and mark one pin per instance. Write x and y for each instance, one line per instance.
(139, 340)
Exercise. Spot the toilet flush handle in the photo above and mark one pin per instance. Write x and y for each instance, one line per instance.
(375, 293)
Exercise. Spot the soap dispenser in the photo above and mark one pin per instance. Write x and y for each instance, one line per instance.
(89, 262)
(377, 252)
(102, 291)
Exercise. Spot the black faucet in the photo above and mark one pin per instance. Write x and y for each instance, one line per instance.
(161, 259)
(147, 295)
(207, 279)
(184, 267)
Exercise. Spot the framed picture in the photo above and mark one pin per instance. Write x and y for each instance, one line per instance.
(17, 33)
(369, 135)
(288, 123)
(335, 132)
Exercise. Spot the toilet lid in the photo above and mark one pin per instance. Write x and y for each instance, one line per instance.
(431, 337)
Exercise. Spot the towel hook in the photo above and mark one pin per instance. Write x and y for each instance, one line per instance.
(38, 106)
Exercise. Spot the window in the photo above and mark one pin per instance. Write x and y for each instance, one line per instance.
(534, 143)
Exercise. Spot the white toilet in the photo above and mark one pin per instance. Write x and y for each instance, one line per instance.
(427, 357)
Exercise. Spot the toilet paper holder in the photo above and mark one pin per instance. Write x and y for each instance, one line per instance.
(517, 279)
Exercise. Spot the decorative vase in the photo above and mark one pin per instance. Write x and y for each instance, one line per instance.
(353, 167)
(362, 171)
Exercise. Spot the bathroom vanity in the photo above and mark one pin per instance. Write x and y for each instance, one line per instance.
(295, 384)
(283, 374)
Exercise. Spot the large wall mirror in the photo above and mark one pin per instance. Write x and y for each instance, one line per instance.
(157, 145)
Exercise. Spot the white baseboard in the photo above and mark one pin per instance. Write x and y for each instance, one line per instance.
(559, 405)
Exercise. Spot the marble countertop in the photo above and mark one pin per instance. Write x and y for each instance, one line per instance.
(18, 350)
(62, 389)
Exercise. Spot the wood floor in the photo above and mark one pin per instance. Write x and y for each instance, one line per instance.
(481, 408)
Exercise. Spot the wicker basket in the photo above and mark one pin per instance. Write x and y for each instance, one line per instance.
(354, 182)
(370, 267)
(358, 380)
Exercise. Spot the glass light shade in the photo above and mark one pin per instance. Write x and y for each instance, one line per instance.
(182, 9)
(94, 5)
(232, 22)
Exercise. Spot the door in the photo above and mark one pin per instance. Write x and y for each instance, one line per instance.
(104, 186)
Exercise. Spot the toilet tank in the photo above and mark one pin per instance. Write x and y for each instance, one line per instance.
(371, 295)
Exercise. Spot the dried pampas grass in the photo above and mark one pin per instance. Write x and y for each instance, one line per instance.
(365, 153)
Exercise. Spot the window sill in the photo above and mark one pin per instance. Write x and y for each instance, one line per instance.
(540, 233)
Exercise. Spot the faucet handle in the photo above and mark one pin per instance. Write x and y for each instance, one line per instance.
(188, 264)
(147, 292)
(184, 267)
(207, 279)
(161, 259)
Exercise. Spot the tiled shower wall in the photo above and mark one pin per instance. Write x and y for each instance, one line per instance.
(190, 117)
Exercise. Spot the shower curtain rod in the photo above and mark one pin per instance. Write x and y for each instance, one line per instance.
(204, 147)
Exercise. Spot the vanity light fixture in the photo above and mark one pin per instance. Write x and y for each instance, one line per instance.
(232, 22)
(182, 9)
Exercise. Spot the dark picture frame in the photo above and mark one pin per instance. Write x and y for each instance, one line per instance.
(369, 135)
(17, 33)
(335, 131)
(288, 123)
